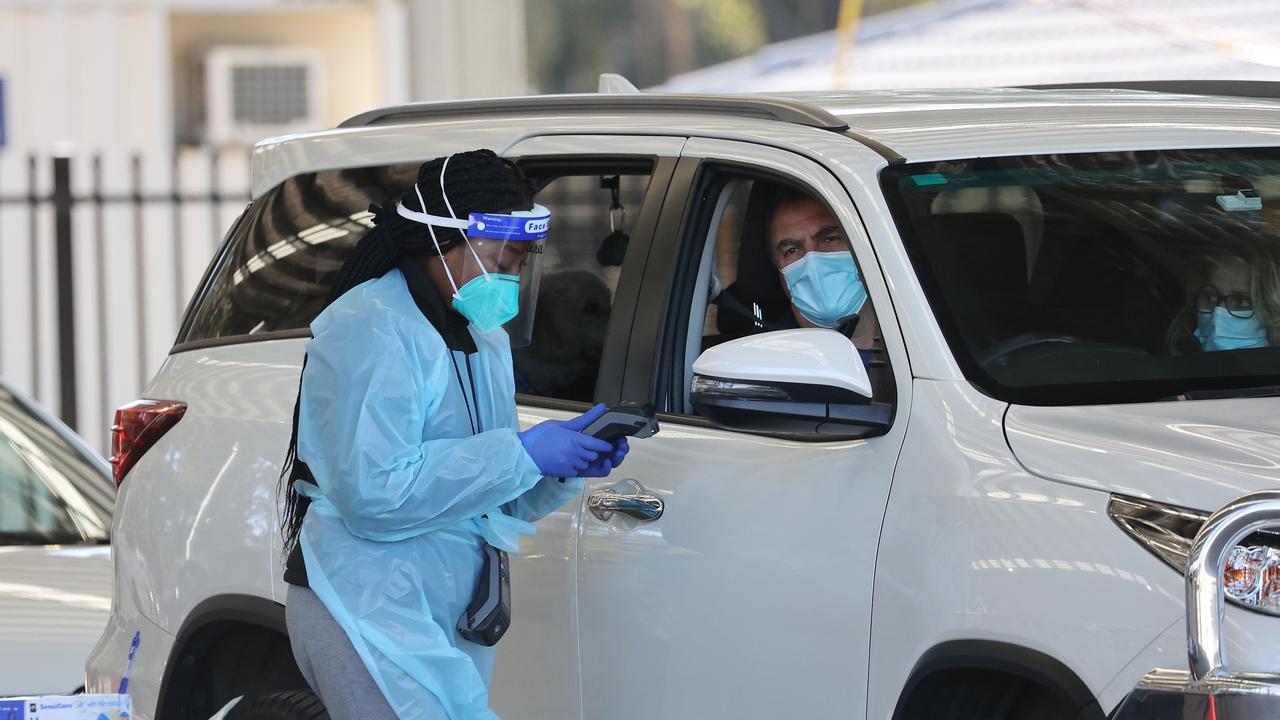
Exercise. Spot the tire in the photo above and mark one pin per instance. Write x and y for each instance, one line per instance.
(980, 695)
(1038, 703)
(291, 705)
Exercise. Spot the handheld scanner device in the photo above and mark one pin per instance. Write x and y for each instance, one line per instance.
(488, 616)
(626, 419)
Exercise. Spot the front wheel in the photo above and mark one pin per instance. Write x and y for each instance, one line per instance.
(291, 705)
(980, 695)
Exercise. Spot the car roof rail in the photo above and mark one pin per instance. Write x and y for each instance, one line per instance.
(1230, 88)
(761, 107)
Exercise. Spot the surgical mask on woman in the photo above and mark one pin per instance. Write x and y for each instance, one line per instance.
(488, 300)
(825, 287)
(1220, 330)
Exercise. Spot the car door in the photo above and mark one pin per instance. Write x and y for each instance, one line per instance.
(750, 596)
(584, 314)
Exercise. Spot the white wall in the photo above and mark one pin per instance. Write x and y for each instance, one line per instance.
(462, 48)
(344, 39)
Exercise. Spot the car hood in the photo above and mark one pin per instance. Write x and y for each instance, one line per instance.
(1197, 454)
(54, 603)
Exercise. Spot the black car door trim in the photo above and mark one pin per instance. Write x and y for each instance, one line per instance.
(655, 291)
(626, 322)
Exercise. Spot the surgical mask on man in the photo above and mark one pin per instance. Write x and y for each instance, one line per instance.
(825, 287)
(1220, 330)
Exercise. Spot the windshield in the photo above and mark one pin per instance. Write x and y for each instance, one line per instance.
(49, 492)
(1102, 277)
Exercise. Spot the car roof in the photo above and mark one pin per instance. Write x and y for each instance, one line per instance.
(912, 125)
(935, 124)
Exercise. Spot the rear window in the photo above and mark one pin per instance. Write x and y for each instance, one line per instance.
(1102, 277)
(276, 270)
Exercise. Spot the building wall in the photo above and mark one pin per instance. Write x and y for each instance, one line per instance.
(345, 39)
(79, 77)
(467, 49)
(112, 79)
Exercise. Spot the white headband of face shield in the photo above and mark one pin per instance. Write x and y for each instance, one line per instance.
(433, 221)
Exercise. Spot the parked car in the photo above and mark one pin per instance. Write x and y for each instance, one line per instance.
(55, 561)
(987, 512)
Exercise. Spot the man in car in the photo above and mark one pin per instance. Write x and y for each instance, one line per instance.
(816, 268)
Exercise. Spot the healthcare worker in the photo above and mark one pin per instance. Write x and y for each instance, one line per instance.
(406, 470)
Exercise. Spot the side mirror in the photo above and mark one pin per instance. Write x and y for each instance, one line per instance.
(804, 384)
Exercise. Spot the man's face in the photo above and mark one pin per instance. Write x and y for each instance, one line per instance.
(802, 227)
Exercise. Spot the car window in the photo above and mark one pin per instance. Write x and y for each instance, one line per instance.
(284, 253)
(592, 218)
(742, 289)
(49, 492)
(1101, 277)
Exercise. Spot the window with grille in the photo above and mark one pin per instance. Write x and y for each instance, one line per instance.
(269, 94)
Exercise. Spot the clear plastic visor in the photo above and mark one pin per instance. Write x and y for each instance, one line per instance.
(521, 258)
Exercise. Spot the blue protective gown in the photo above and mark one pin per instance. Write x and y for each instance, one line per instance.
(393, 537)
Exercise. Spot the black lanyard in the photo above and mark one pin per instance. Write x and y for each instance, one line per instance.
(453, 329)
(473, 402)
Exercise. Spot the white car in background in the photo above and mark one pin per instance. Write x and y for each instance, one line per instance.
(56, 496)
(987, 509)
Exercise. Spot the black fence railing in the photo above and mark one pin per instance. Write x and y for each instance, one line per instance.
(67, 206)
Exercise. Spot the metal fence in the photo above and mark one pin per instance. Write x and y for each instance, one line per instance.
(94, 275)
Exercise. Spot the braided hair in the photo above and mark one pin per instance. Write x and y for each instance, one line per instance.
(476, 181)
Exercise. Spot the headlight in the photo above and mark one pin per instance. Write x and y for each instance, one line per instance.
(1251, 576)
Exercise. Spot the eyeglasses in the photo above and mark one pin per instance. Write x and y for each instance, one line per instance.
(1238, 305)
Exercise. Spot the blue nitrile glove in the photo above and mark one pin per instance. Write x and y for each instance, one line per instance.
(559, 448)
(608, 461)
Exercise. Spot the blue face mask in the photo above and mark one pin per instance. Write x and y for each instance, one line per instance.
(825, 287)
(488, 300)
(1220, 330)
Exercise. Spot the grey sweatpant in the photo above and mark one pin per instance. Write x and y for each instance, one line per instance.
(332, 667)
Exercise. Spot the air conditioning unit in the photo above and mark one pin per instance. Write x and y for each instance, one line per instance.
(255, 92)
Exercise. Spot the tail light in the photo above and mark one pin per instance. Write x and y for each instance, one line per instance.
(137, 427)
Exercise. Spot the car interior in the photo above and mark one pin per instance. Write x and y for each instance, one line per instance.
(593, 212)
(1042, 281)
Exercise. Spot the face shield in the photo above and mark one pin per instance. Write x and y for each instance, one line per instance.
(504, 249)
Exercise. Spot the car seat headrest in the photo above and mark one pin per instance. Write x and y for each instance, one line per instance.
(979, 261)
(757, 284)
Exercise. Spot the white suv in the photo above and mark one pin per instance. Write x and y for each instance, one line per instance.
(1000, 530)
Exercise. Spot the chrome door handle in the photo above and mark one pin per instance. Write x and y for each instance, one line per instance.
(604, 503)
